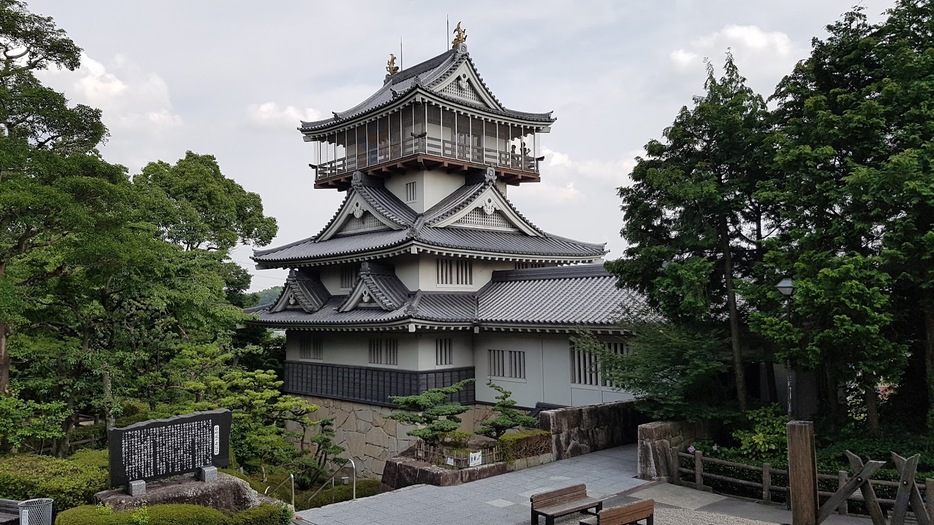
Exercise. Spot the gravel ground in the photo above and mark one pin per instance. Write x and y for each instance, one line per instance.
(665, 516)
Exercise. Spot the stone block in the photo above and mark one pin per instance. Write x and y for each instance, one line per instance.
(365, 414)
(136, 488)
(378, 437)
(207, 474)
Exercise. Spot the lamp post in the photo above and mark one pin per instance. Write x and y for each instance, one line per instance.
(787, 288)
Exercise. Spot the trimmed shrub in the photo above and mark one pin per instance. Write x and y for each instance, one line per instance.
(69, 483)
(524, 444)
(367, 487)
(170, 514)
(265, 514)
(91, 458)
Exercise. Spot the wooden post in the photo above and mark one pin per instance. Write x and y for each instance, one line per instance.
(698, 470)
(802, 473)
(767, 483)
(674, 467)
(842, 478)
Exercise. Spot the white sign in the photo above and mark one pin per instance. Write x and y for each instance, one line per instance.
(475, 459)
(449, 461)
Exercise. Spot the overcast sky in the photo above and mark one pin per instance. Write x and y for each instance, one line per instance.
(233, 78)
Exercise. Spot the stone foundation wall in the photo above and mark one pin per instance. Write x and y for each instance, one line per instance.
(369, 437)
(656, 441)
(580, 430)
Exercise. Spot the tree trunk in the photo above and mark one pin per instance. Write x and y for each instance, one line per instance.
(872, 409)
(108, 401)
(929, 361)
(739, 375)
(4, 360)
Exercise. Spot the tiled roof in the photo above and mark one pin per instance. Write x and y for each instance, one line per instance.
(562, 297)
(420, 76)
(417, 229)
(569, 295)
(383, 285)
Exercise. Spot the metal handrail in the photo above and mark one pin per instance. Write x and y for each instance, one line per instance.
(292, 478)
(331, 479)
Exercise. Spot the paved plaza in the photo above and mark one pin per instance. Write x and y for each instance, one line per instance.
(504, 499)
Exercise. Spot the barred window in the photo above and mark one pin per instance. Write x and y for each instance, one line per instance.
(410, 191)
(454, 271)
(585, 369)
(443, 354)
(508, 364)
(526, 265)
(310, 347)
(348, 275)
(384, 352)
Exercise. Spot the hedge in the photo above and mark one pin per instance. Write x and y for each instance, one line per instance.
(27, 476)
(524, 444)
(174, 514)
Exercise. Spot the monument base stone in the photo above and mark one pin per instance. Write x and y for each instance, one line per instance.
(136, 488)
(227, 493)
(207, 474)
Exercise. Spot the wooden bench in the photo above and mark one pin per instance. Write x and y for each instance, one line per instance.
(9, 511)
(625, 514)
(562, 502)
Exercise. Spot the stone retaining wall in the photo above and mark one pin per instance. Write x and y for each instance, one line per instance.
(656, 441)
(369, 437)
(580, 430)
(405, 471)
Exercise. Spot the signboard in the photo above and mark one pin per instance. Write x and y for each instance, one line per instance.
(475, 459)
(165, 447)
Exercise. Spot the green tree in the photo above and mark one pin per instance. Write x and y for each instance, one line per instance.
(854, 139)
(44, 192)
(506, 417)
(431, 411)
(691, 219)
(678, 372)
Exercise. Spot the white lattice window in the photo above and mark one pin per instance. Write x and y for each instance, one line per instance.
(478, 218)
(348, 275)
(384, 351)
(410, 191)
(310, 347)
(443, 351)
(366, 222)
(454, 271)
(508, 364)
(585, 367)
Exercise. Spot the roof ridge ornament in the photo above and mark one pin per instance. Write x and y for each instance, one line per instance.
(391, 66)
(460, 39)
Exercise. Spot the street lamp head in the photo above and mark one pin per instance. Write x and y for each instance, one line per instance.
(786, 286)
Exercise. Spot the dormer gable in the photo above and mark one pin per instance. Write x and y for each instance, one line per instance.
(483, 207)
(304, 291)
(368, 207)
(464, 84)
(376, 287)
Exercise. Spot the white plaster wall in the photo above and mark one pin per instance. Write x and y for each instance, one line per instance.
(430, 187)
(547, 367)
(331, 279)
(407, 270)
(482, 273)
(461, 350)
(350, 348)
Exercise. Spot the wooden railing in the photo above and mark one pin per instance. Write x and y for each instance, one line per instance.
(699, 477)
(433, 146)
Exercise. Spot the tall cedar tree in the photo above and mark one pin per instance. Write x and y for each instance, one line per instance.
(855, 143)
(690, 217)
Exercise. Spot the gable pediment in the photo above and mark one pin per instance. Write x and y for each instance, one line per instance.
(376, 287)
(302, 291)
(357, 216)
(489, 210)
(464, 84)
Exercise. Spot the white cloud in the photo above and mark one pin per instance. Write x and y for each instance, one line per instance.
(684, 59)
(269, 114)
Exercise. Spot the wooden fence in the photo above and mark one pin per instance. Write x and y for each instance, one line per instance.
(769, 483)
(454, 458)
